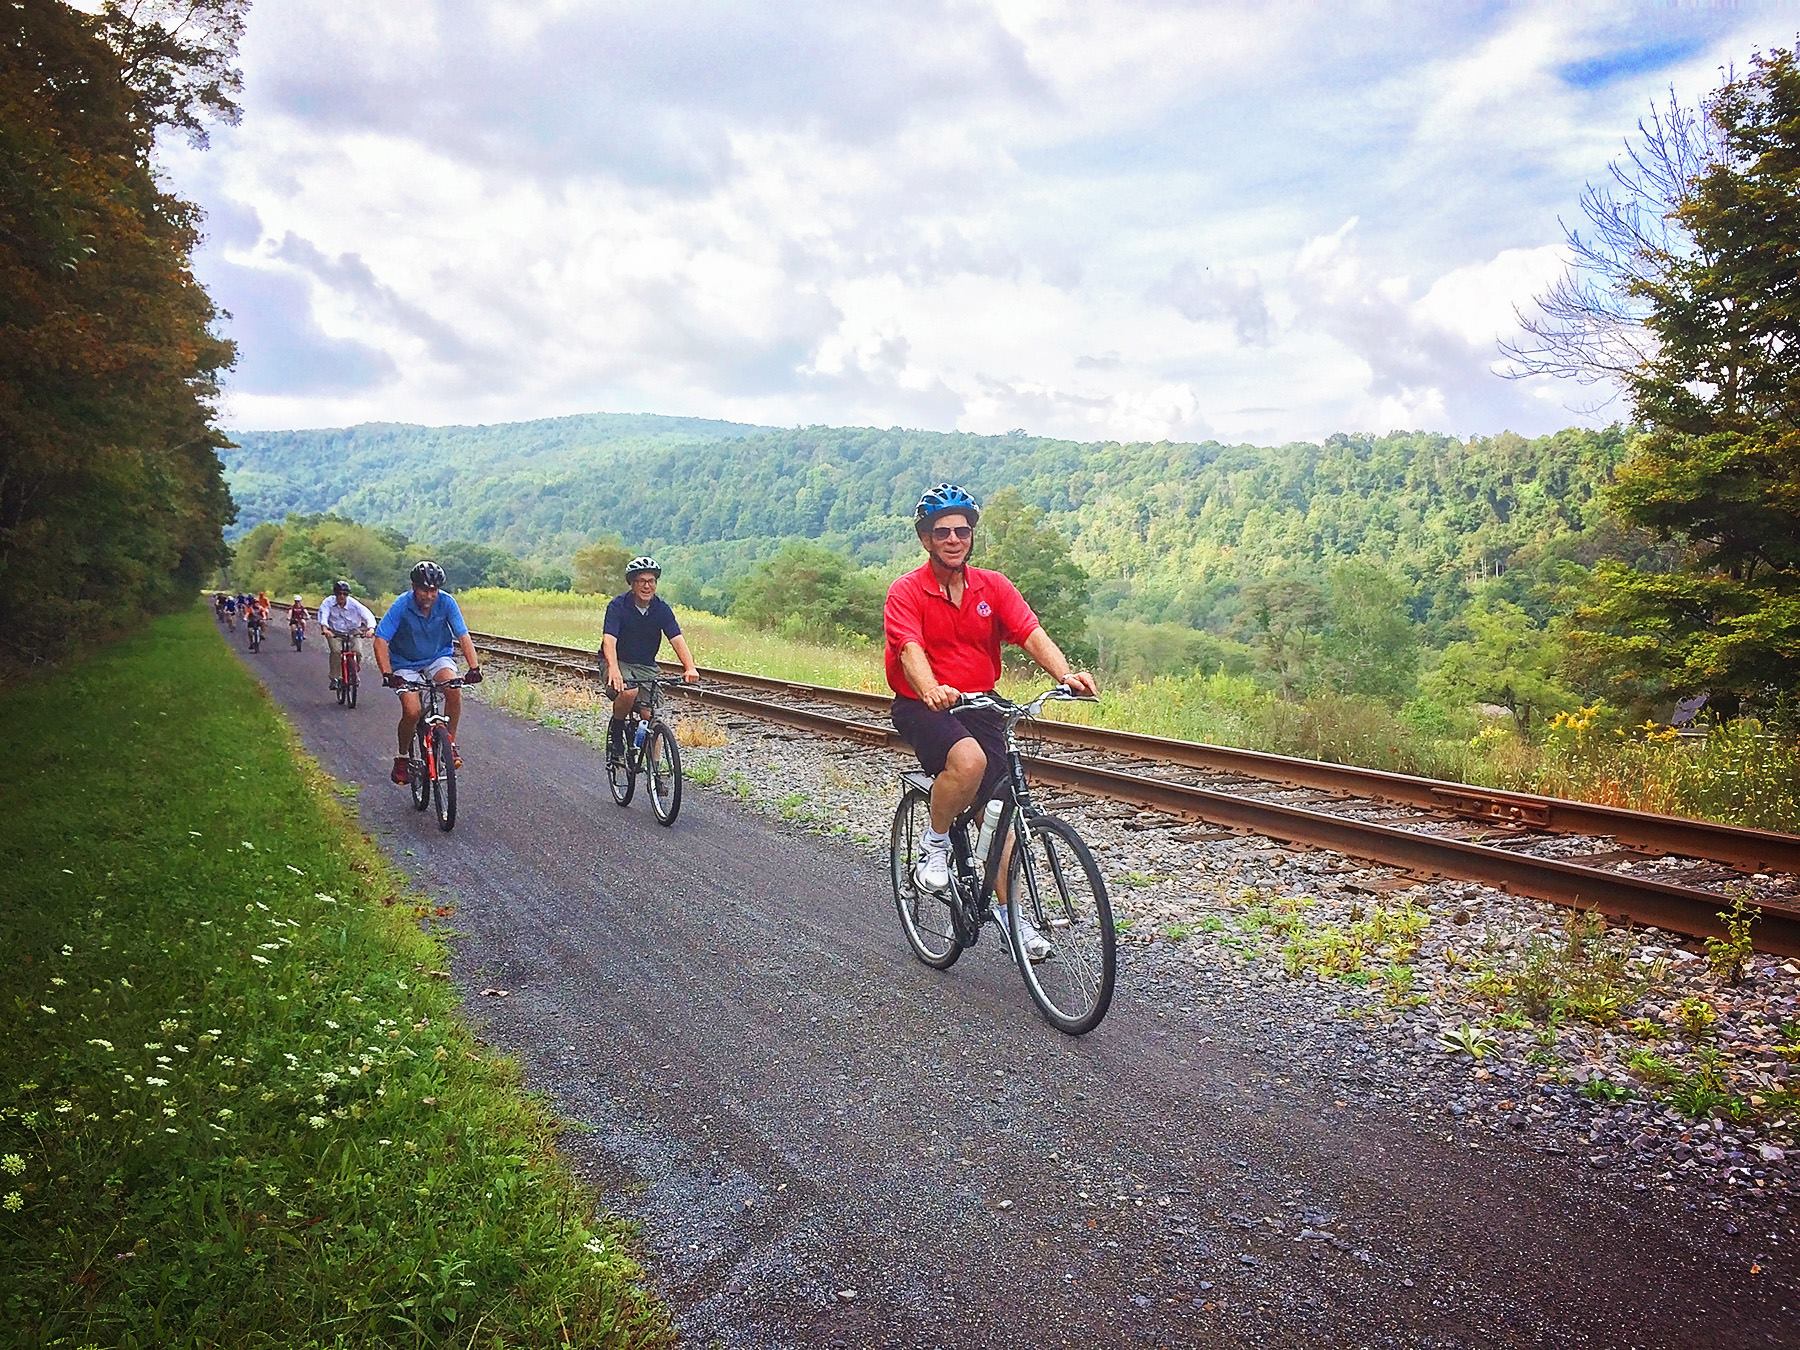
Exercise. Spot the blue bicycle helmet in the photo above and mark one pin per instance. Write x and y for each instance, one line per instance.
(943, 498)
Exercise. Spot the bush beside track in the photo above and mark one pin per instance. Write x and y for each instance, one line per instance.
(238, 1106)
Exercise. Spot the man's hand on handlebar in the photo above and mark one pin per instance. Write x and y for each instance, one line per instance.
(690, 676)
(939, 697)
(393, 681)
(472, 675)
(1080, 682)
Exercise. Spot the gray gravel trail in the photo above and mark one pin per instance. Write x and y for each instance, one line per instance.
(828, 1143)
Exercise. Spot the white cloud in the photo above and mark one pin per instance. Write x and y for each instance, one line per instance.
(1135, 219)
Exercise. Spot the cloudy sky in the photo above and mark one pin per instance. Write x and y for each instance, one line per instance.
(1103, 219)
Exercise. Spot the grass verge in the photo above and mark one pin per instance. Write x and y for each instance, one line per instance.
(238, 1104)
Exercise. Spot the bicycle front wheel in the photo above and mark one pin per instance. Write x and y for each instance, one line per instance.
(622, 777)
(1053, 882)
(924, 915)
(663, 766)
(443, 782)
(418, 771)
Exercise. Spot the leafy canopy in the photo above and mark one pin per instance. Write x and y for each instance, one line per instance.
(1717, 471)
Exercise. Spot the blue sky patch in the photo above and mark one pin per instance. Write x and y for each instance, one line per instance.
(1636, 61)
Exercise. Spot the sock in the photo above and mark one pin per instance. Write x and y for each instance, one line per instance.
(936, 839)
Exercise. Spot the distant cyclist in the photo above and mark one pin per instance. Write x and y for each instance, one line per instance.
(262, 604)
(419, 634)
(945, 622)
(636, 623)
(229, 608)
(344, 620)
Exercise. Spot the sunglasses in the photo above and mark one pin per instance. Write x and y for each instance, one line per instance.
(943, 532)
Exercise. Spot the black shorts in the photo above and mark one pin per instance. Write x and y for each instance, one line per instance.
(931, 734)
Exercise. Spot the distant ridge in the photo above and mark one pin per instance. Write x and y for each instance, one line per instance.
(1167, 530)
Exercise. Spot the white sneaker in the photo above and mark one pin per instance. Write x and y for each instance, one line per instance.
(933, 870)
(1036, 949)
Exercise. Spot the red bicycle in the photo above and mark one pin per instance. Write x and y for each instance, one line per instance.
(431, 768)
(349, 667)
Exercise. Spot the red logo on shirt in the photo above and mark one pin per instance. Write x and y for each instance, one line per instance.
(984, 609)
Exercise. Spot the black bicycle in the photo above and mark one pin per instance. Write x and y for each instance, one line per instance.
(1052, 883)
(253, 629)
(650, 749)
(431, 767)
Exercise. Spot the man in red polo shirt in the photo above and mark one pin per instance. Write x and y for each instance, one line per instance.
(945, 623)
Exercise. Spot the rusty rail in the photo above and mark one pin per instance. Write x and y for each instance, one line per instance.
(1679, 909)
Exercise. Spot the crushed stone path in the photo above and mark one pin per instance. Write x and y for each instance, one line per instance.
(829, 1144)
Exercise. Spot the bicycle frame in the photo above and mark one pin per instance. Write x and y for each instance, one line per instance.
(430, 694)
(978, 890)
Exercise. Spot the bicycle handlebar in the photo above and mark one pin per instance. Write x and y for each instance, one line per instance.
(413, 686)
(1056, 693)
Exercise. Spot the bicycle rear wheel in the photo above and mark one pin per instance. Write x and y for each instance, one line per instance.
(622, 777)
(419, 770)
(1053, 881)
(443, 781)
(662, 766)
(924, 916)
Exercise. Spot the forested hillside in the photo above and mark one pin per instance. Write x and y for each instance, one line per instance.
(529, 486)
(1167, 532)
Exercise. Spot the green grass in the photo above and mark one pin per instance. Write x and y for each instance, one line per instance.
(562, 616)
(239, 1106)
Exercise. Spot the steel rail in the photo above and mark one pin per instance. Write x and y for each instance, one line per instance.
(1737, 846)
(1641, 899)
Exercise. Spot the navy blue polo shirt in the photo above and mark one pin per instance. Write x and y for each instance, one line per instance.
(415, 640)
(639, 635)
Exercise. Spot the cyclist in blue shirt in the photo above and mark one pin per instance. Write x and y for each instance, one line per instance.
(419, 635)
(636, 623)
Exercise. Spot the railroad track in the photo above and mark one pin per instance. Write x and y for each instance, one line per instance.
(1672, 872)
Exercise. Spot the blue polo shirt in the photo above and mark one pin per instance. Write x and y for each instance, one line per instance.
(640, 635)
(415, 640)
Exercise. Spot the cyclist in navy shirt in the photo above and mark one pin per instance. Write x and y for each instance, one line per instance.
(636, 623)
(419, 635)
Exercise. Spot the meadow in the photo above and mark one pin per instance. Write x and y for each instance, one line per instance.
(240, 1106)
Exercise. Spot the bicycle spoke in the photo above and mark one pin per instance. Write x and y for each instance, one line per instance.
(1055, 884)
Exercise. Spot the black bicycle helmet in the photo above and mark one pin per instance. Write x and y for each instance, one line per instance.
(942, 499)
(642, 563)
(427, 573)
(340, 587)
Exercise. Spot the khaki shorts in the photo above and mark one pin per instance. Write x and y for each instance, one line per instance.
(635, 670)
(334, 643)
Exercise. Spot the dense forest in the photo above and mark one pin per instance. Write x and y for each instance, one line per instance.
(111, 494)
(1166, 532)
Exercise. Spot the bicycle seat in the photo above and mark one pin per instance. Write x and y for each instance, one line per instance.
(921, 781)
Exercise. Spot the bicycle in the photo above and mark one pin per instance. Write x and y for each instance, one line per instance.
(297, 633)
(650, 749)
(253, 630)
(1052, 880)
(431, 767)
(349, 666)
